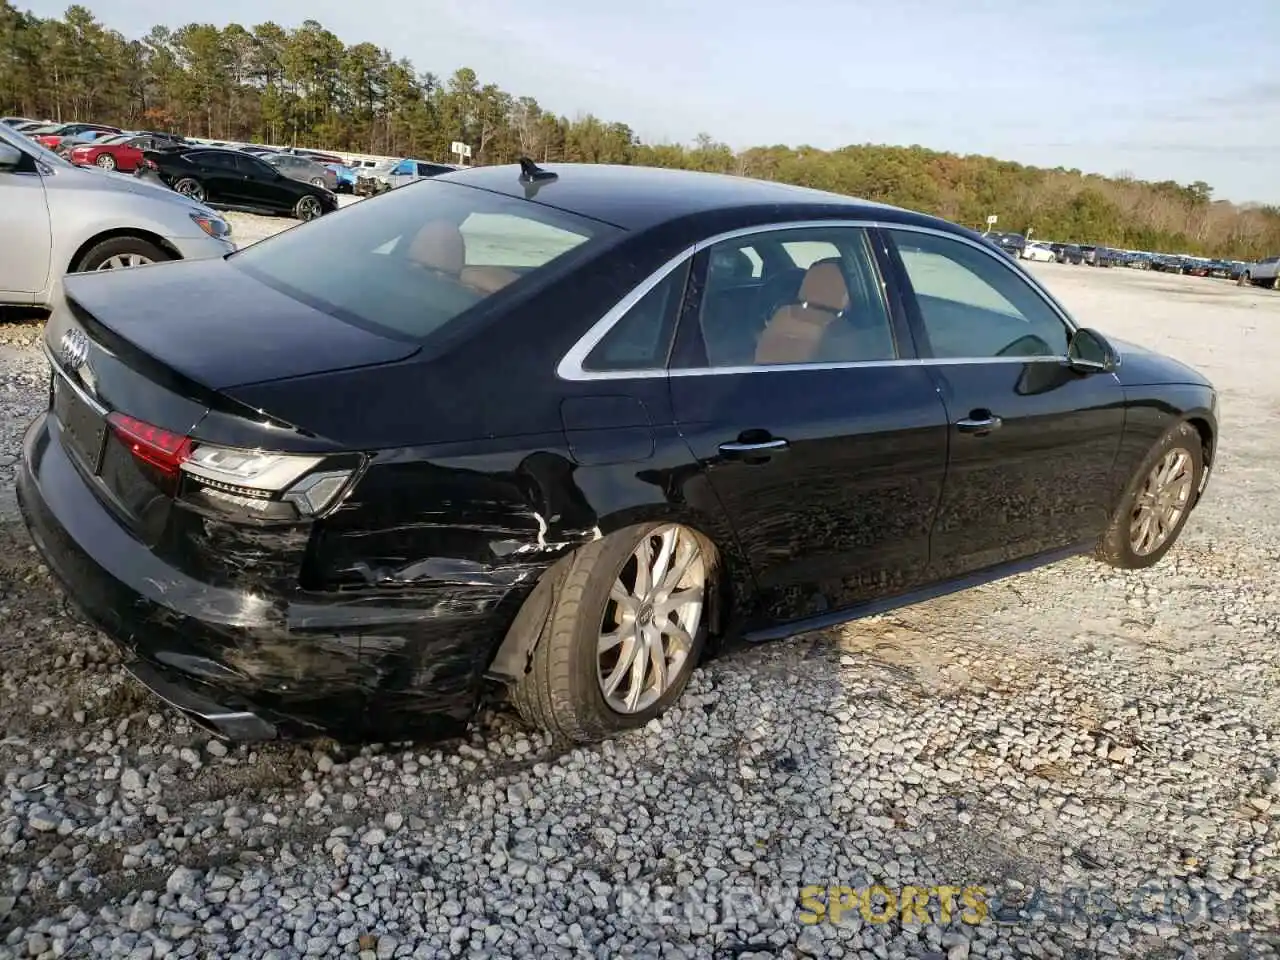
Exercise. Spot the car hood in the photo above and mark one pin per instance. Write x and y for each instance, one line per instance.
(216, 325)
(96, 180)
(1142, 366)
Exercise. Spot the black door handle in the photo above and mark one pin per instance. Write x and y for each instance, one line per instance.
(979, 423)
(757, 450)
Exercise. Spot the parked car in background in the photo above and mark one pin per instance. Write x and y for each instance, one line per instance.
(258, 151)
(1096, 256)
(56, 218)
(28, 126)
(344, 177)
(230, 178)
(1038, 252)
(316, 156)
(159, 136)
(122, 152)
(1067, 252)
(616, 494)
(19, 122)
(396, 173)
(1011, 243)
(1264, 273)
(298, 167)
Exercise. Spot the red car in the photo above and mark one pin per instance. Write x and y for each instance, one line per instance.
(122, 152)
(53, 134)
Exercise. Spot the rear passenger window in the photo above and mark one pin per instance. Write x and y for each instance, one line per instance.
(641, 340)
(975, 306)
(809, 295)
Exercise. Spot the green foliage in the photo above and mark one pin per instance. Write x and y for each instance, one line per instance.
(306, 87)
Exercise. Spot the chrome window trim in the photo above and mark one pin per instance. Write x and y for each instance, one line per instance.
(570, 365)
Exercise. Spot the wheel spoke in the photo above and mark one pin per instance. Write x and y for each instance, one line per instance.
(676, 600)
(644, 567)
(623, 597)
(666, 552)
(673, 578)
(610, 640)
(658, 659)
(679, 637)
(623, 666)
(639, 669)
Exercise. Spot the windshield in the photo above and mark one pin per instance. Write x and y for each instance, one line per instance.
(29, 146)
(385, 166)
(422, 258)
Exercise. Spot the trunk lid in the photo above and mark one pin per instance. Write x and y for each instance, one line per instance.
(127, 420)
(219, 327)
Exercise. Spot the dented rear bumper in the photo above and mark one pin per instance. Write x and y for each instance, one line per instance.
(252, 664)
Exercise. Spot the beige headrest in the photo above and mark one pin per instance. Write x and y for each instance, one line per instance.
(439, 245)
(824, 287)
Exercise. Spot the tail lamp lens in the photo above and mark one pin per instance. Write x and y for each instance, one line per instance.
(258, 483)
(163, 450)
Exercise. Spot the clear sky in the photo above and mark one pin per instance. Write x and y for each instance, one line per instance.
(1163, 89)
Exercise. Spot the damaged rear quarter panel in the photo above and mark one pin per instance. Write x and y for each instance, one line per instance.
(436, 548)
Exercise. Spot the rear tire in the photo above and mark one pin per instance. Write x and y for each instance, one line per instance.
(308, 208)
(190, 187)
(1120, 546)
(119, 253)
(106, 161)
(574, 660)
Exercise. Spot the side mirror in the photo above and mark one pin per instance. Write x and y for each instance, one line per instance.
(1090, 352)
(10, 156)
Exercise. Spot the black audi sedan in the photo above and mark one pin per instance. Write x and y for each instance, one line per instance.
(558, 431)
(229, 178)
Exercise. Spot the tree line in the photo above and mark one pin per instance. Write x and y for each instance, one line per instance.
(306, 87)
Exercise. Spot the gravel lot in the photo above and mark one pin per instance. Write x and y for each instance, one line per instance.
(1100, 752)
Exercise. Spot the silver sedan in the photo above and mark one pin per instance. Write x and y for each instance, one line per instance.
(57, 218)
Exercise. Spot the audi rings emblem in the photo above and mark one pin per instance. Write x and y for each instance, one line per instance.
(73, 349)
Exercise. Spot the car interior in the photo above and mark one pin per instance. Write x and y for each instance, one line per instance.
(769, 300)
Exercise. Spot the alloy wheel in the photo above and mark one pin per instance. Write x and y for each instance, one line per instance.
(106, 161)
(652, 617)
(119, 261)
(191, 189)
(308, 208)
(1161, 503)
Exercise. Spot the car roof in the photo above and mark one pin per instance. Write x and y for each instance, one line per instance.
(636, 198)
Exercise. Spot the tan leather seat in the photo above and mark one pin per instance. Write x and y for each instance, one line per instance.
(439, 245)
(795, 333)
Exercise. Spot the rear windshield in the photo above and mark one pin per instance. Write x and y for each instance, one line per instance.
(410, 262)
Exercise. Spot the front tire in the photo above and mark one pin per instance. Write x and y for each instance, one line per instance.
(626, 628)
(1156, 502)
(106, 161)
(119, 253)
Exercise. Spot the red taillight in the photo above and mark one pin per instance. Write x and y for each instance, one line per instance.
(163, 450)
